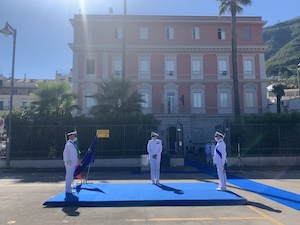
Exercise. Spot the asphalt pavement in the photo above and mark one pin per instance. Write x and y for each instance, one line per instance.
(23, 192)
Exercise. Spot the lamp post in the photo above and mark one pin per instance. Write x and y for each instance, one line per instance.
(8, 30)
(124, 41)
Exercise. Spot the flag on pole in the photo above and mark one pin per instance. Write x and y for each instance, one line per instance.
(77, 148)
(88, 159)
(182, 99)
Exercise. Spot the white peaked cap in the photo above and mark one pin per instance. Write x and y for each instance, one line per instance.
(154, 134)
(71, 133)
(219, 134)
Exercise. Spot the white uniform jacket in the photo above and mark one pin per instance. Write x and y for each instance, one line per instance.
(220, 153)
(154, 147)
(70, 153)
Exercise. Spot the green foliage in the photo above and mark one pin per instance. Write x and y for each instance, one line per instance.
(227, 6)
(268, 118)
(234, 7)
(55, 102)
(114, 98)
(278, 90)
(283, 53)
(40, 133)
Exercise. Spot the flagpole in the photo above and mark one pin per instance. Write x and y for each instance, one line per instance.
(88, 172)
(87, 175)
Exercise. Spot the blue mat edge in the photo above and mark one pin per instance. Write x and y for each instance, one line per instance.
(241, 201)
(269, 192)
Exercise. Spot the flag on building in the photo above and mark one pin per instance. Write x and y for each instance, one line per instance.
(88, 159)
(182, 99)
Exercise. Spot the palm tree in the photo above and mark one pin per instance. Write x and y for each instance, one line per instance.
(54, 99)
(278, 90)
(233, 6)
(113, 98)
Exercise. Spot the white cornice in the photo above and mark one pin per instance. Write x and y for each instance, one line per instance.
(168, 19)
(81, 47)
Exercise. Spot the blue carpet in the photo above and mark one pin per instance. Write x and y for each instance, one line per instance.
(287, 198)
(145, 194)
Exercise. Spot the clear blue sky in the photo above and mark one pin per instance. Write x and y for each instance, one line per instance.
(44, 30)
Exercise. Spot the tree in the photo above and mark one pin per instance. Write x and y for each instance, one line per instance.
(54, 99)
(278, 90)
(114, 99)
(233, 6)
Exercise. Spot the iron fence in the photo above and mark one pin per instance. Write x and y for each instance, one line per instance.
(47, 142)
(264, 139)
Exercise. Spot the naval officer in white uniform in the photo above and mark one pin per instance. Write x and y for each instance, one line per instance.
(154, 149)
(220, 159)
(70, 158)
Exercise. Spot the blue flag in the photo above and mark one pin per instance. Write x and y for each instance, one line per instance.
(89, 158)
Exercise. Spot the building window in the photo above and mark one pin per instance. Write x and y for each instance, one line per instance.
(170, 98)
(88, 90)
(117, 67)
(170, 67)
(246, 33)
(90, 66)
(118, 33)
(144, 67)
(248, 67)
(91, 32)
(196, 33)
(1, 105)
(146, 91)
(197, 100)
(196, 67)
(145, 97)
(249, 99)
(224, 100)
(171, 102)
(170, 33)
(221, 34)
(223, 67)
(90, 102)
(144, 33)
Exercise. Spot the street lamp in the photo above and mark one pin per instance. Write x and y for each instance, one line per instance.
(6, 31)
(124, 40)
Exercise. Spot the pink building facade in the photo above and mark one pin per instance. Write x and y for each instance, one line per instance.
(181, 65)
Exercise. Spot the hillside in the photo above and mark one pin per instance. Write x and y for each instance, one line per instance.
(283, 53)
